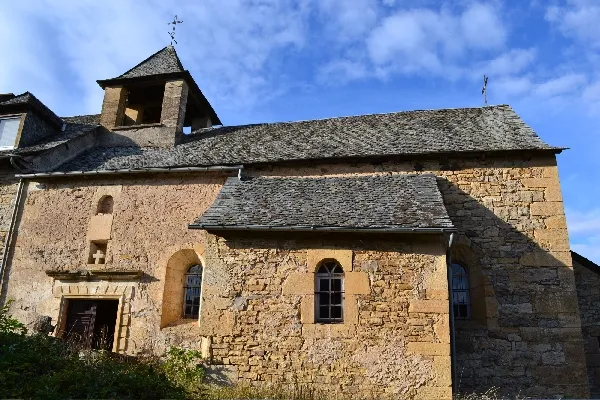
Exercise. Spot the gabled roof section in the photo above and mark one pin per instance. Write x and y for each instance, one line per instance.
(383, 203)
(27, 101)
(451, 132)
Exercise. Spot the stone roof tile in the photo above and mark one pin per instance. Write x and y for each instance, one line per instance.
(390, 202)
(486, 129)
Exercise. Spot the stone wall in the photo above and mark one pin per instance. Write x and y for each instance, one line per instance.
(149, 224)
(526, 337)
(512, 236)
(587, 277)
(393, 343)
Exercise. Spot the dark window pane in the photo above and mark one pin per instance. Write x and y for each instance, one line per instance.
(324, 312)
(336, 298)
(336, 285)
(324, 285)
(323, 299)
(336, 312)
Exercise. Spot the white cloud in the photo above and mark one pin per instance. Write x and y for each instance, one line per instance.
(583, 222)
(481, 27)
(228, 46)
(578, 19)
(566, 84)
(435, 41)
(511, 62)
(341, 71)
(348, 19)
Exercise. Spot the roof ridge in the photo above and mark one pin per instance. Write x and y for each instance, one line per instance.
(205, 130)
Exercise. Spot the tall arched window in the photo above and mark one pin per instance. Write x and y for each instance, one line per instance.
(192, 291)
(329, 292)
(461, 298)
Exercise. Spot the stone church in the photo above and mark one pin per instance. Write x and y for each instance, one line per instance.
(403, 255)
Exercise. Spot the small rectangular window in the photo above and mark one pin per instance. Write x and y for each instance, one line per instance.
(8, 132)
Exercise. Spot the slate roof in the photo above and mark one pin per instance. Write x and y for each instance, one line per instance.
(385, 202)
(74, 128)
(28, 100)
(487, 129)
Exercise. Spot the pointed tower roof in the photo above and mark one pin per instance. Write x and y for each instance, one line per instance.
(164, 61)
(164, 65)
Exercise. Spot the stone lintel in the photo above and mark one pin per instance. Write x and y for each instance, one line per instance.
(315, 256)
(86, 275)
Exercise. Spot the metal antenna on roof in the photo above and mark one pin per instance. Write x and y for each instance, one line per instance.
(484, 90)
(172, 33)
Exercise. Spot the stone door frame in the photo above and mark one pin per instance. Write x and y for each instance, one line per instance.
(81, 291)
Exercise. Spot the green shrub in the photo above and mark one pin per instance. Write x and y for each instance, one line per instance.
(8, 324)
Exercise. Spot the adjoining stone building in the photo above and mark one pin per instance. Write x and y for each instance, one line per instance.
(397, 255)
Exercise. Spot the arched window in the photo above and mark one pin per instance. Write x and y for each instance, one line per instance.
(329, 292)
(461, 298)
(192, 291)
(105, 205)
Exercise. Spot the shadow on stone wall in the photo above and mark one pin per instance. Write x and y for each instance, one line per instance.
(529, 342)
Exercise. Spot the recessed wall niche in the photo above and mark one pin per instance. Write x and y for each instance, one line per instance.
(97, 253)
(105, 205)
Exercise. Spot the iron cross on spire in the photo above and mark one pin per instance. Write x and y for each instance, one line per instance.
(484, 89)
(172, 33)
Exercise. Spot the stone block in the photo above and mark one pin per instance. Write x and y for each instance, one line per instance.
(315, 256)
(100, 227)
(553, 193)
(547, 208)
(556, 222)
(546, 258)
(356, 283)
(433, 294)
(539, 182)
(553, 235)
(434, 392)
(442, 329)
(307, 309)
(174, 104)
(442, 370)
(299, 283)
(429, 306)
(350, 310)
(428, 349)
(113, 106)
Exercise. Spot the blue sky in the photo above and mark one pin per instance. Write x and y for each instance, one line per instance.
(268, 60)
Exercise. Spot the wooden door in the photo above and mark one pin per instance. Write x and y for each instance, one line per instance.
(91, 323)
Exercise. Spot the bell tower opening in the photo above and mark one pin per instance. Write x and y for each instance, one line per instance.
(143, 104)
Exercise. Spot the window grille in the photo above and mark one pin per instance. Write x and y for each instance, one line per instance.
(461, 298)
(192, 292)
(329, 293)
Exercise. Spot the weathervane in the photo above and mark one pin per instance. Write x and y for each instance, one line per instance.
(172, 33)
(483, 91)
